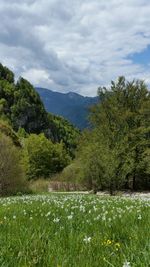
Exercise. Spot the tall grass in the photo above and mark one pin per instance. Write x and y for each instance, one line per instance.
(61, 230)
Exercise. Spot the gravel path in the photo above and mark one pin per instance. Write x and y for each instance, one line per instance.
(140, 195)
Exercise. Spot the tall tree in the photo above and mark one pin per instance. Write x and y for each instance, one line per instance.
(12, 178)
(122, 129)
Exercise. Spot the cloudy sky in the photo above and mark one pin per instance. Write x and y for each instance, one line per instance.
(75, 45)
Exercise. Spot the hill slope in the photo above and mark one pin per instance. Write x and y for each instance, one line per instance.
(21, 107)
(72, 106)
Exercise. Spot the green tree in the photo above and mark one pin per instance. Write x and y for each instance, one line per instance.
(103, 167)
(127, 111)
(65, 132)
(12, 178)
(43, 158)
(116, 146)
(6, 74)
(7, 130)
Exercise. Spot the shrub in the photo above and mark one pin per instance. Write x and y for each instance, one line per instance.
(70, 179)
(39, 186)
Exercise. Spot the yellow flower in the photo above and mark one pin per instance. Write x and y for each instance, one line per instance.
(109, 242)
(117, 246)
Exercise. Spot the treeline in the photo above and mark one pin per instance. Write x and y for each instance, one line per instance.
(115, 154)
(33, 143)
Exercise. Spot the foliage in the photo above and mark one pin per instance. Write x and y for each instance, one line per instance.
(72, 173)
(113, 153)
(22, 117)
(6, 74)
(21, 105)
(6, 129)
(43, 158)
(28, 111)
(7, 91)
(101, 166)
(12, 179)
(64, 132)
(39, 186)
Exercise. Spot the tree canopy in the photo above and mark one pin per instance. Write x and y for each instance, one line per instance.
(114, 152)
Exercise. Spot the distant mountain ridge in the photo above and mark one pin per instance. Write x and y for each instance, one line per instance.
(71, 106)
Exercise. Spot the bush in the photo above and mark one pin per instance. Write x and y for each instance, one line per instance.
(39, 186)
(12, 179)
(70, 179)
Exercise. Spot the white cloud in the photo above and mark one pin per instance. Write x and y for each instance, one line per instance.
(74, 45)
(37, 76)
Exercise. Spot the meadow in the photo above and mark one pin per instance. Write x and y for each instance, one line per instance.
(71, 230)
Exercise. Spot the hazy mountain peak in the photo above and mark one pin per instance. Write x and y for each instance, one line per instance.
(71, 105)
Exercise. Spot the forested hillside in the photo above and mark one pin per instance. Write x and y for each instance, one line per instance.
(43, 143)
(22, 107)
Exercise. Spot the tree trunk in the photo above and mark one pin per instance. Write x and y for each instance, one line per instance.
(134, 185)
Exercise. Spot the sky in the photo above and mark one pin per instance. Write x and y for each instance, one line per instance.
(76, 45)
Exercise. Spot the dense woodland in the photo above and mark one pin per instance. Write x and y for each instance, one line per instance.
(44, 143)
(113, 155)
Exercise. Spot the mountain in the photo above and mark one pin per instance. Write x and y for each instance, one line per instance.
(71, 106)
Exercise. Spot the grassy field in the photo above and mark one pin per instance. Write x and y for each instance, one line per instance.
(60, 230)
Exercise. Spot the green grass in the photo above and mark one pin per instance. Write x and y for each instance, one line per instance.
(60, 230)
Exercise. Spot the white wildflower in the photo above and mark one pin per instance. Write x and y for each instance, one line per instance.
(87, 239)
(56, 220)
(139, 217)
(126, 264)
(70, 217)
(48, 214)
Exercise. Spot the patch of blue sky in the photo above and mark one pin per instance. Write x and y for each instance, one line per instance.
(142, 58)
